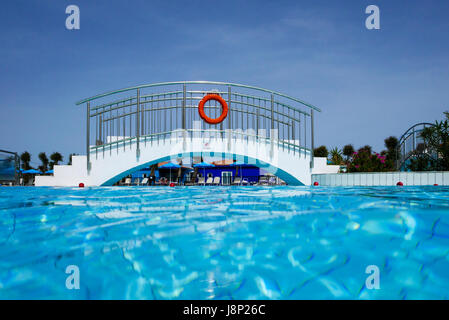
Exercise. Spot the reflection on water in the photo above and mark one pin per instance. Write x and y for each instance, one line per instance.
(224, 242)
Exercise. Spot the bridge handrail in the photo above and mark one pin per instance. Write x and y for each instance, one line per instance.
(406, 133)
(105, 120)
(117, 102)
(193, 107)
(198, 82)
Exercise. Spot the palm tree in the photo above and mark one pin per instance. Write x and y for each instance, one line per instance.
(55, 157)
(336, 157)
(25, 157)
(43, 158)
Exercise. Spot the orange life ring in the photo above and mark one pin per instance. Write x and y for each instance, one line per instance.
(224, 106)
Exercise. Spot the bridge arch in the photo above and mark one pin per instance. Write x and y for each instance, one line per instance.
(284, 175)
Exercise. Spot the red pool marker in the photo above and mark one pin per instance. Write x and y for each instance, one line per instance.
(81, 185)
(399, 184)
(172, 184)
(436, 184)
(316, 183)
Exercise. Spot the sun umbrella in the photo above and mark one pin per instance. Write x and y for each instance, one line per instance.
(203, 165)
(170, 166)
(49, 171)
(32, 171)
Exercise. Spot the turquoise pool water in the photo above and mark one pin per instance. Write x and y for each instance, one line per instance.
(224, 243)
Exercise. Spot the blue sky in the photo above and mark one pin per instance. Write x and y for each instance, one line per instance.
(370, 84)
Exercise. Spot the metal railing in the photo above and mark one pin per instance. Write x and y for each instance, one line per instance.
(410, 142)
(147, 113)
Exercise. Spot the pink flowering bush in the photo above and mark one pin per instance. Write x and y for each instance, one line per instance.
(364, 160)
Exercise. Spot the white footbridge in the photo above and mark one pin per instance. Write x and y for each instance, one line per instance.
(149, 124)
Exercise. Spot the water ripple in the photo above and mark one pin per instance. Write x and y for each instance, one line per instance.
(224, 242)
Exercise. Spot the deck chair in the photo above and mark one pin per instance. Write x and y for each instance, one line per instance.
(137, 181)
(128, 181)
(144, 181)
(263, 181)
(209, 180)
(237, 181)
(217, 181)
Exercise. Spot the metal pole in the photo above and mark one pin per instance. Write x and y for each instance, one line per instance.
(16, 168)
(293, 136)
(305, 135)
(184, 107)
(88, 136)
(312, 137)
(299, 133)
(142, 121)
(257, 122)
(138, 124)
(229, 118)
(183, 121)
(272, 125)
(272, 112)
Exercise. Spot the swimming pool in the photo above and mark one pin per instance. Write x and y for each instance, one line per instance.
(224, 242)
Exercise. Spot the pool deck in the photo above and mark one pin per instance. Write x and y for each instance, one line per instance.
(431, 178)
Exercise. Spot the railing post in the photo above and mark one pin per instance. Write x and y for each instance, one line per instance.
(184, 106)
(16, 168)
(184, 132)
(88, 136)
(221, 128)
(272, 112)
(138, 124)
(293, 137)
(229, 119)
(257, 123)
(312, 139)
(142, 121)
(272, 126)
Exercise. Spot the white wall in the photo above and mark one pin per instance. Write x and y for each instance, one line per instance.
(382, 179)
(320, 166)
